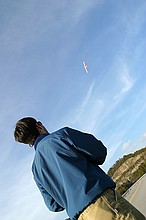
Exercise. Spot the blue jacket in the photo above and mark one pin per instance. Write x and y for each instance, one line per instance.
(66, 170)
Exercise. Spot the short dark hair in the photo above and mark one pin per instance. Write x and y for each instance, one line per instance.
(26, 131)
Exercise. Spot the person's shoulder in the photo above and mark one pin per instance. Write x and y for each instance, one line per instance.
(62, 129)
(66, 130)
(61, 132)
(57, 131)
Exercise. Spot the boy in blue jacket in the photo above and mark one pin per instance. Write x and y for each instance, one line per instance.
(67, 173)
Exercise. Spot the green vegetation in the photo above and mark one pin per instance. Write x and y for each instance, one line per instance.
(127, 170)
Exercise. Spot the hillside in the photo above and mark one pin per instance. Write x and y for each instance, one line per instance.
(128, 169)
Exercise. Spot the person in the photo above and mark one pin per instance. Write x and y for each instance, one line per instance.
(66, 169)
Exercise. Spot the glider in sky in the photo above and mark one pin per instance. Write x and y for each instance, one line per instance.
(86, 67)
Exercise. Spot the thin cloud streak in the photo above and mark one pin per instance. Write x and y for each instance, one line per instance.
(125, 79)
(88, 112)
(112, 150)
(133, 145)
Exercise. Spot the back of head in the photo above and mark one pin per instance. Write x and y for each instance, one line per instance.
(26, 131)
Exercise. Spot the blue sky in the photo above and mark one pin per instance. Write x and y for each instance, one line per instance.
(42, 46)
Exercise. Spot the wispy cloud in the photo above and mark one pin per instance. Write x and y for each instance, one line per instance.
(125, 79)
(112, 150)
(133, 145)
(127, 145)
(87, 98)
(85, 115)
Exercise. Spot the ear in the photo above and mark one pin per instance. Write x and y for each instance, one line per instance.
(39, 126)
(39, 123)
(41, 129)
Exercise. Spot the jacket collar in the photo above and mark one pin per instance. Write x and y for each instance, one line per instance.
(39, 138)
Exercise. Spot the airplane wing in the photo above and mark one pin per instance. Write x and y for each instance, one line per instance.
(85, 67)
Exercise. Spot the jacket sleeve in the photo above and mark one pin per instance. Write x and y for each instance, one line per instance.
(51, 204)
(88, 145)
